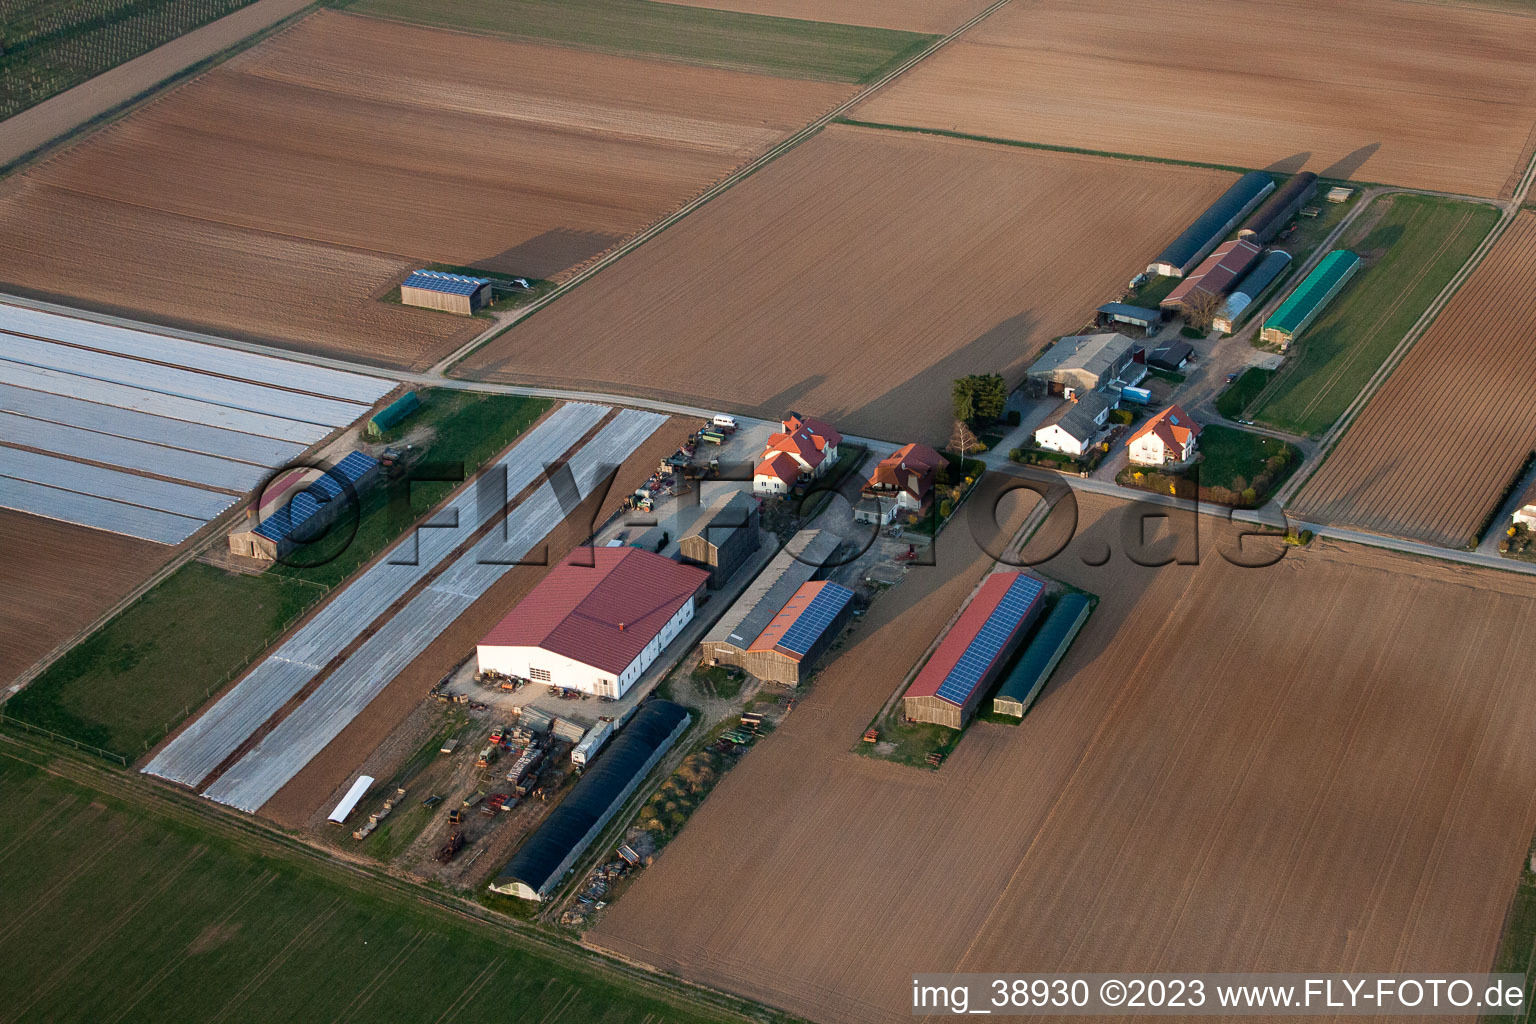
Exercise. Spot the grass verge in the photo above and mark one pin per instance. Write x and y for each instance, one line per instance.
(697, 35)
(125, 686)
(1410, 252)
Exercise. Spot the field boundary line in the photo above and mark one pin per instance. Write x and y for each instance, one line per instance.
(719, 188)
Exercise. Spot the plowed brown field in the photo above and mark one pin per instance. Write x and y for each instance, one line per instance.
(1430, 455)
(309, 174)
(57, 579)
(910, 15)
(1322, 765)
(1249, 83)
(857, 275)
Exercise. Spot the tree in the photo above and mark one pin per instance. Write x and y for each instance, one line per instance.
(990, 396)
(963, 394)
(961, 441)
(1200, 308)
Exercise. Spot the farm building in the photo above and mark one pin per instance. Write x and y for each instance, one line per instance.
(296, 508)
(1172, 357)
(902, 482)
(1252, 287)
(1525, 512)
(1112, 313)
(1086, 362)
(1023, 683)
(796, 637)
(723, 537)
(393, 414)
(1268, 219)
(451, 293)
(1170, 438)
(1071, 427)
(596, 622)
(803, 450)
(1216, 274)
(800, 562)
(1213, 225)
(545, 857)
(1310, 297)
(972, 654)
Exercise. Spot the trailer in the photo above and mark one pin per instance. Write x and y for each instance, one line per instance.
(1136, 396)
(583, 753)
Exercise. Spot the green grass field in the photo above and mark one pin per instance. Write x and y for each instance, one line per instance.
(1233, 458)
(51, 45)
(697, 35)
(1231, 402)
(119, 909)
(124, 686)
(1410, 251)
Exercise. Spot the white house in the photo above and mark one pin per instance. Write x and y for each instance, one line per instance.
(597, 621)
(1072, 426)
(1170, 438)
(803, 450)
(1525, 514)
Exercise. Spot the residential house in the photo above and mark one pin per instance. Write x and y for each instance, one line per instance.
(1525, 514)
(802, 450)
(1170, 438)
(1072, 427)
(902, 482)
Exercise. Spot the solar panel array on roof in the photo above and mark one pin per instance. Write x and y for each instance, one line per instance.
(814, 620)
(330, 486)
(990, 640)
(448, 284)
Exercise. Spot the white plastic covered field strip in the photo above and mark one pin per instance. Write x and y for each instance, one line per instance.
(195, 355)
(112, 484)
(296, 740)
(142, 426)
(207, 742)
(201, 470)
(97, 513)
(236, 394)
(125, 397)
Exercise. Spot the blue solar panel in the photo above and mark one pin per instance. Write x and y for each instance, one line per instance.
(298, 509)
(448, 284)
(990, 639)
(814, 619)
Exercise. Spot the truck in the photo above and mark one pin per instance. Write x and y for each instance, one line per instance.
(583, 752)
(724, 423)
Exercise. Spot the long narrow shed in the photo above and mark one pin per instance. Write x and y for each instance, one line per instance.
(546, 856)
(1303, 305)
(1253, 285)
(1279, 208)
(1216, 274)
(1040, 657)
(1213, 225)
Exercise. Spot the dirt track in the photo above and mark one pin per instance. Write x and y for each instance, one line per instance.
(284, 193)
(1430, 455)
(1234, 769)
(323, 780)
(58, 579)
(1329, 95)
(856, 276)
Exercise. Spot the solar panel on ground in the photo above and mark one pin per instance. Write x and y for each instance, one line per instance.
(204, 387)
(196, 355)
(202, 470)
(447, 284)
(112, 484)
(984, 648)
(191, 756)
(296, 740)
(97, 513)
(142, 426)
(815, 618)
(107, 393)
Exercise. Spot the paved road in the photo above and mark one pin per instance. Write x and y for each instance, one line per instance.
(69, 110)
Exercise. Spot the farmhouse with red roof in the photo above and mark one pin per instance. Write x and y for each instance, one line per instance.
(1170, 438)
(596, 622)
(902, 482)
(801, 451)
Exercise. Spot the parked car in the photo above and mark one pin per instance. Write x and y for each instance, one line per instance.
(1231, 377)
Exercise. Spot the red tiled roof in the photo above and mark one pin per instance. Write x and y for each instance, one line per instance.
(821, 428)
(958, 639)
(898, 469)
(599, 606)
(1173, 426)
(782, 466)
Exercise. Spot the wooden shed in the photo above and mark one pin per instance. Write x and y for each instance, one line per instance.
(451, 293)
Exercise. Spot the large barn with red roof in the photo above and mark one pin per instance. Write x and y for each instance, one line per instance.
(596, 622)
